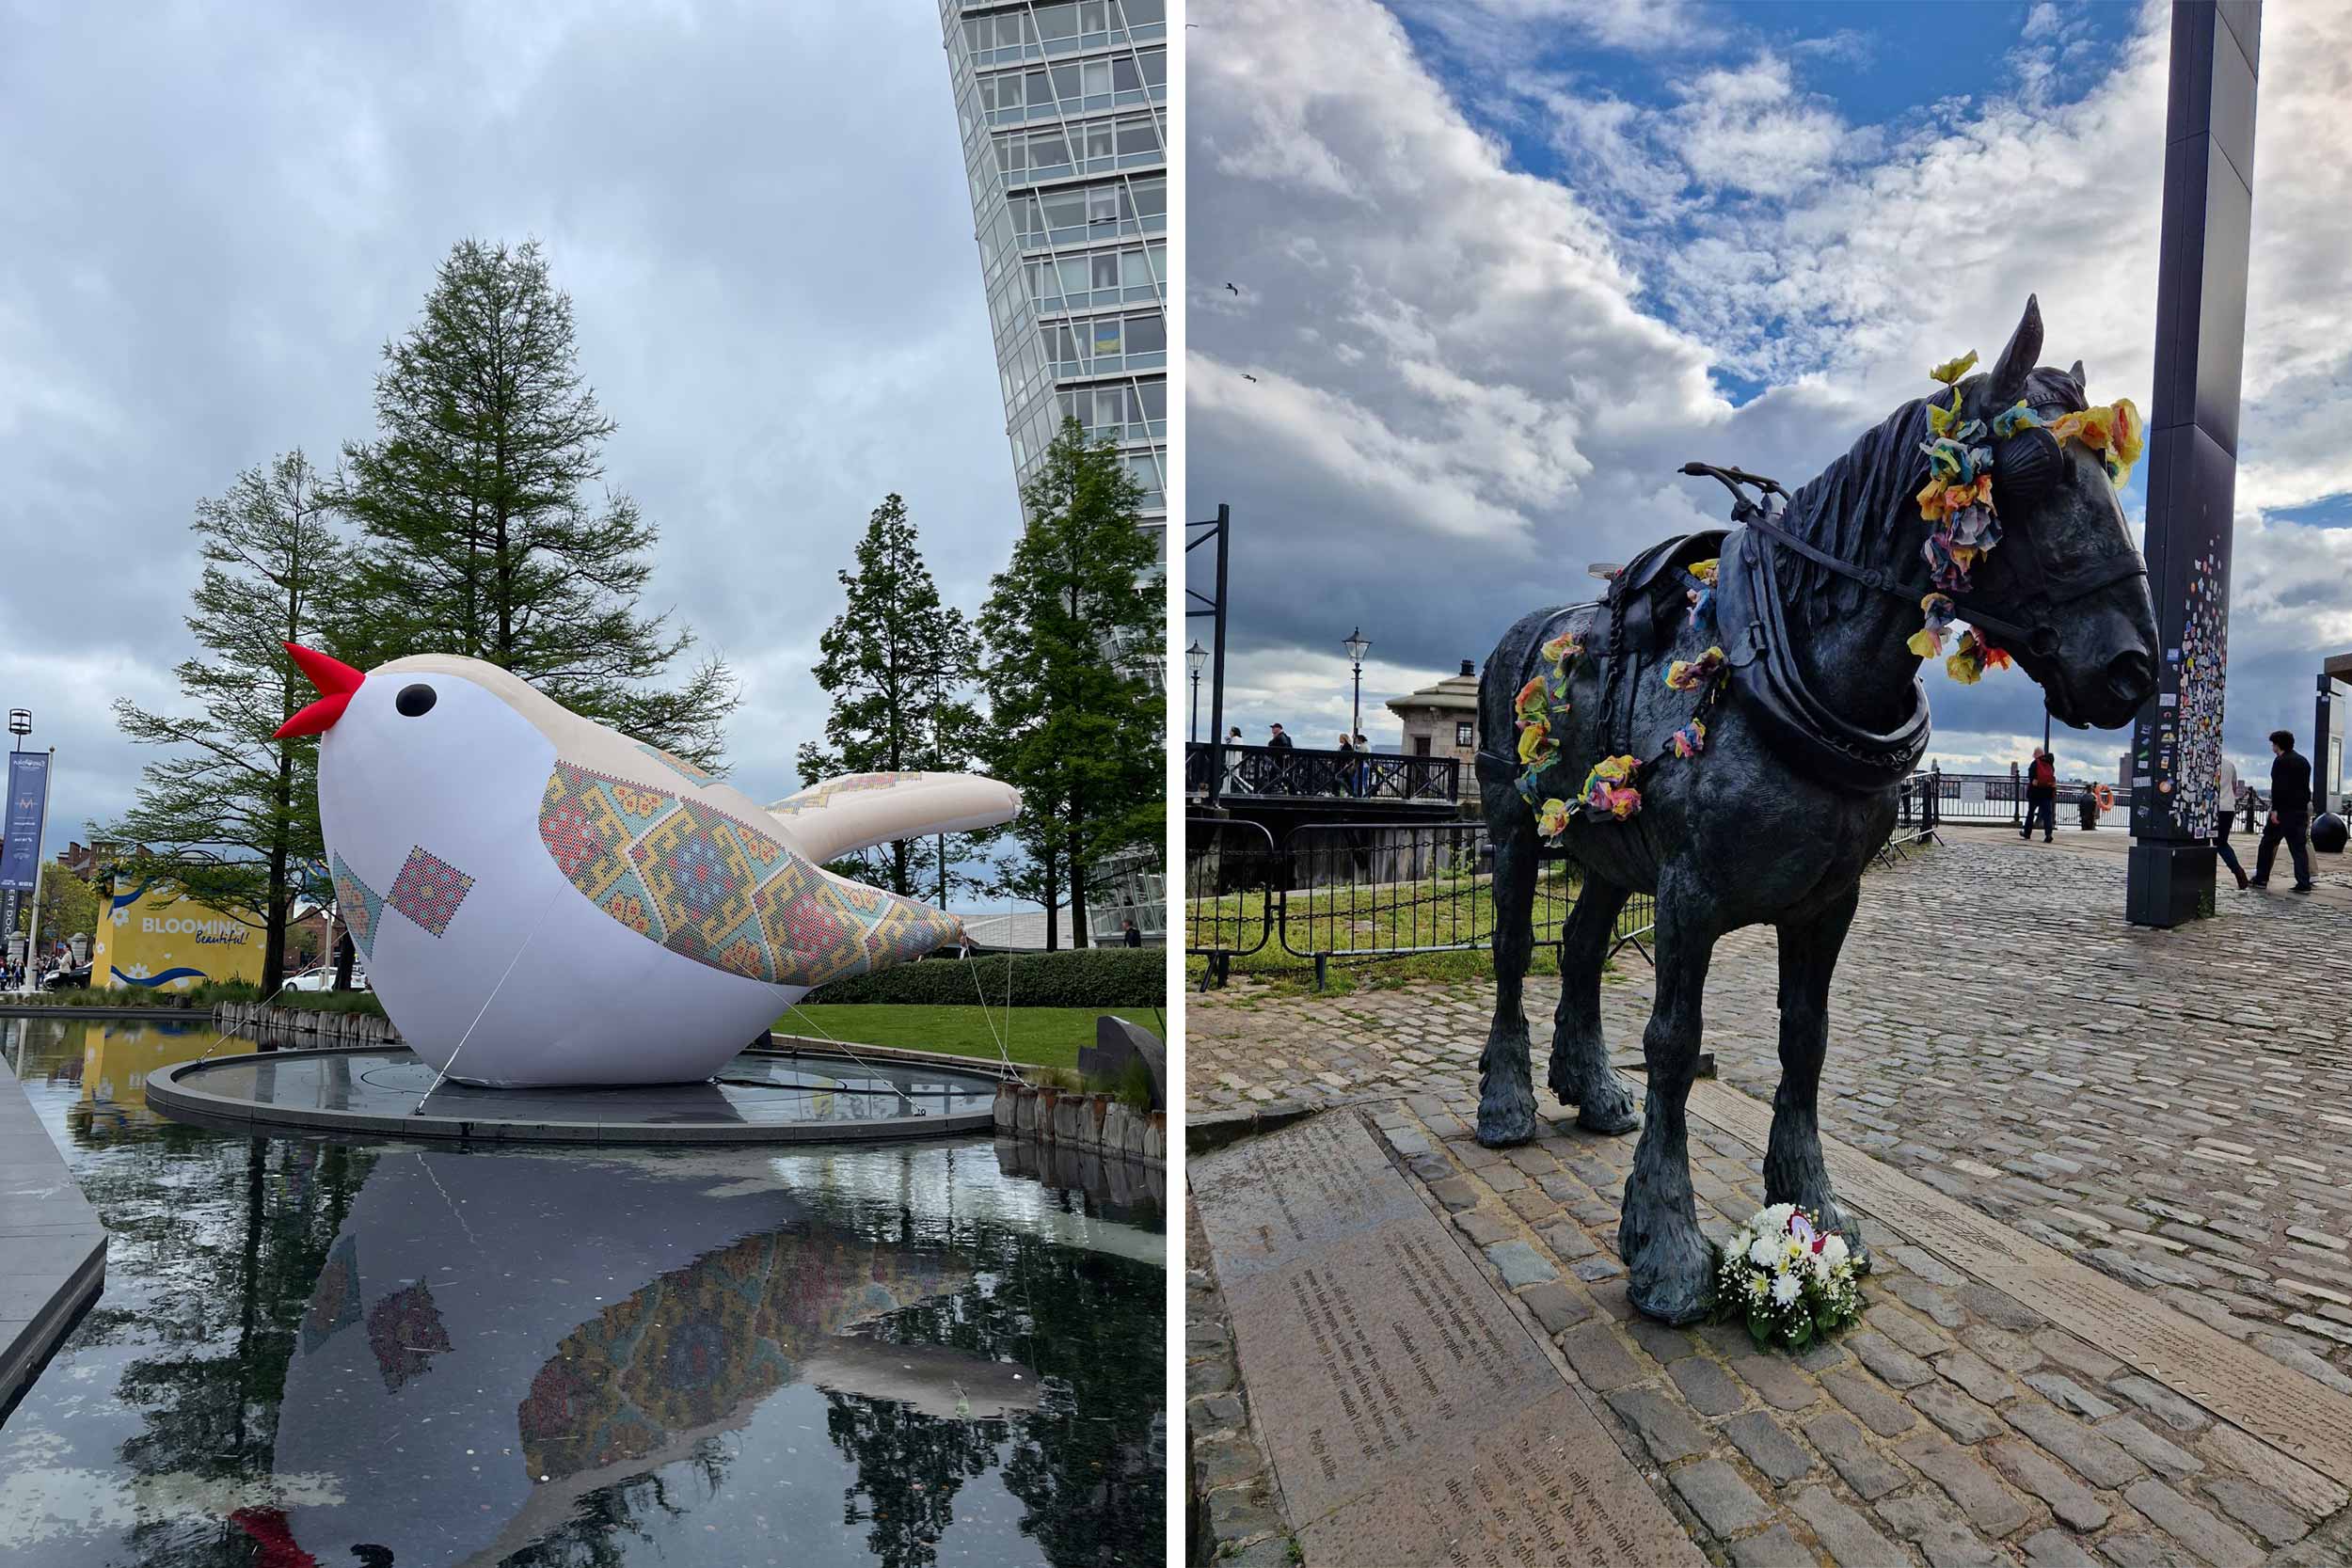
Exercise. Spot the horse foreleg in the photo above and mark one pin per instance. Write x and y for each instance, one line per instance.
(1669, 1264)
(1507, 1089)
(1580, 1074)
(1794, 1171)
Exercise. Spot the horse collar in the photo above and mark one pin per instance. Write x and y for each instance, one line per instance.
(1795, 720)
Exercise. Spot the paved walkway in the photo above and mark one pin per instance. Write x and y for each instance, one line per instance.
(2167, 1108)
(52, 1249)
(2175, 1107)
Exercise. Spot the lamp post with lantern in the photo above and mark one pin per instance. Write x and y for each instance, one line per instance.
(1358, 645)
(1196, 659)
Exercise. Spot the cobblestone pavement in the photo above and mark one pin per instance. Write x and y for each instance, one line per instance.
(1954, 1426)
(2171, 1107)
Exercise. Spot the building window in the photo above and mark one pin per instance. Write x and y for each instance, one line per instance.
(1462, 734)
(1421, 745)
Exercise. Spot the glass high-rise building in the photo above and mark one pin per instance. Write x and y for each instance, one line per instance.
(1063, 108)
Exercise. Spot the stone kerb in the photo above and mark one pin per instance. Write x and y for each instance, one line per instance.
(1100, 1123)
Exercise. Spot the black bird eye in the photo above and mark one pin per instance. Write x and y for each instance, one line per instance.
(414, 701)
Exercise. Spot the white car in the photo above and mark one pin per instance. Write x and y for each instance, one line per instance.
(322, 978)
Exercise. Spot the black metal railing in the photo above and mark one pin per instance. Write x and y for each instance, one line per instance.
(1360, 891)
(1977, 799)
(1294, 773)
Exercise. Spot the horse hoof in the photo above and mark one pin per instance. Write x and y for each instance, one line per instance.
(1677, 1301)
(1506, 1126)
(1670, 1273)
(1610, 1111)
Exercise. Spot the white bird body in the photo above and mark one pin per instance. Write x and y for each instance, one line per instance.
(542, 900)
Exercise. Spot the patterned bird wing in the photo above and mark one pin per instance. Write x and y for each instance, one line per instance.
(832, 818)
(706, 883)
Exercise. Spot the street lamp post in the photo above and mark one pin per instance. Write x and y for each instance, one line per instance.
(1195, 658)
(20, 725)
(1357, 646)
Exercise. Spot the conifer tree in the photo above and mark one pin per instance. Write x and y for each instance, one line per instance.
(1074, 628)
(483, 537)
(230, 816)
(896, 663)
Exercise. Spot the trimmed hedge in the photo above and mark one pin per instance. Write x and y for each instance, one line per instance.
(1088, 977)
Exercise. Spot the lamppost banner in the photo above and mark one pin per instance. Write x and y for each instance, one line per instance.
(28, 797)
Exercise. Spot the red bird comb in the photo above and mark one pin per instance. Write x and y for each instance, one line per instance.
(336, 682)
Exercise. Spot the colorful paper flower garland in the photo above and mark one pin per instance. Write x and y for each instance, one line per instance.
(1957, 502)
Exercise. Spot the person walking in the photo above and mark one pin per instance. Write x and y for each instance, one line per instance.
(1234, 744)
(1363, 765)
(2040, 795)
(1343, 782)
(2225, 802)
(1277, 740)
(2290, 813)
(1128, 934)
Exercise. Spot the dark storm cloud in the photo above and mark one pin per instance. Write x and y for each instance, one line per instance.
(219, 213)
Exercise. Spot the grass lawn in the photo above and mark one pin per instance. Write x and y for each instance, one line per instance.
(1040, 1036)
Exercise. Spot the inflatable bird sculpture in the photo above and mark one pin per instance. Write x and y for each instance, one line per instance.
(540, 900)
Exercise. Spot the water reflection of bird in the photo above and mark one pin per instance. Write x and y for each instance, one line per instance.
(592, 1321)
(542, 900)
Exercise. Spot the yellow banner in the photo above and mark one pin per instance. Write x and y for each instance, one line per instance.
(155, 937)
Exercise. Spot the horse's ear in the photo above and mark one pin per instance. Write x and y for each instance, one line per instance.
(2081, 384)
(2017, 360)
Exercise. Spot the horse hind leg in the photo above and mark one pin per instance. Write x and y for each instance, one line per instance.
(1580, 1074)
(1507, 1089)
(1794, 1170)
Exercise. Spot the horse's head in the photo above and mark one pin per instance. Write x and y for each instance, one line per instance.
(2065, 591)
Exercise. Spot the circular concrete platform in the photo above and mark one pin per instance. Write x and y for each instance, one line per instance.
(759, 1096)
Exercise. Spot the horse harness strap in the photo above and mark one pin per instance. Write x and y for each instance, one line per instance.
(1814, 738)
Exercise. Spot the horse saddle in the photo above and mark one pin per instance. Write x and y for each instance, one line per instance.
(1647, 601)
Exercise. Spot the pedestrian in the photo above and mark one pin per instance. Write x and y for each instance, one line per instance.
(2040, 795)
(1343, 778)
(1132, 937)
(1276, 742)
(2225, 807)
(2290, 813)
(1234, 744)
(1363, 766)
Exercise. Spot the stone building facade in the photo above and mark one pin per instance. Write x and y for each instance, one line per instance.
(1441, 720)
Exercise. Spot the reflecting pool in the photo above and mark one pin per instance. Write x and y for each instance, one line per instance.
(312, 1352)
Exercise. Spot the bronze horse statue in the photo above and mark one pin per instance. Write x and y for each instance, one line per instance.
(1794, 640)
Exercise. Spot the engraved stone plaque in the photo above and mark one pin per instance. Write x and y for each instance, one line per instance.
(1412, 1417)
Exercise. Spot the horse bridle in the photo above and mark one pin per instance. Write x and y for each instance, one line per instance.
(2045, 592)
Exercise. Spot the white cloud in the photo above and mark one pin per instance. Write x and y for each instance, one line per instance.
(1529, 359)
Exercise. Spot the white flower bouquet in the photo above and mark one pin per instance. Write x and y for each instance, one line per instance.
(1787, 1278)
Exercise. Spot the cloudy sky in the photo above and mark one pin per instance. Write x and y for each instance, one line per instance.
(219, 212)
(1504, 265)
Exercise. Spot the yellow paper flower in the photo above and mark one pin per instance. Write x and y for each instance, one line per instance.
(1963, 666)
(1534, 741)
(1552, 818)
(1528, 703)
(2131, 432)
(1952, 370)
(1563, 647)
(1927, 643)
(1932, 501)
(1705, 570)
(1689, 675)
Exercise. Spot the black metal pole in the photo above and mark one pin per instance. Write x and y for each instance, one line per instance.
(1356, 714)
(1217, 681)
(2192, 453)
(1195, 736)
